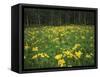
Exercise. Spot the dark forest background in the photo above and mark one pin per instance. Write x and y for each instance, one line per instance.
(35, 16)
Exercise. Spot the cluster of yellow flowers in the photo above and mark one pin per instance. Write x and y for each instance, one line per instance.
(75, 54)
(61, 62)
(35, 49)
(59, 56)
(42, 55)
(78, 54)
(68, 54)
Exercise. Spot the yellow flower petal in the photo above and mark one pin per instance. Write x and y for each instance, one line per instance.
(61, 62)
(59, 56)
(78, 54)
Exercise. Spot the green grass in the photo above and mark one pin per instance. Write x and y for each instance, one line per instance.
(58, 46)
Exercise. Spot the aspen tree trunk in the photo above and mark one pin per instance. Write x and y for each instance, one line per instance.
(60, 18)
(52, 16)
(79, 17)
(39, 23)
(27, 21)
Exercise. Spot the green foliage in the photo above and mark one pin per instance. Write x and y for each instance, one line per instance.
(58, 46)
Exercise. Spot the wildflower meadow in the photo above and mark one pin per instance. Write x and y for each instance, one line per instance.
(58, 46)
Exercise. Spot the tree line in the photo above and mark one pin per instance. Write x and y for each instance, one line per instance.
(36, 16)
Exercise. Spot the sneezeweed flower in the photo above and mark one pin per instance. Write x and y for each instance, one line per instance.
(59, 56)
(78, 54)
(76, 46)
(40, 55)
(34, 57)
(61, 62)
(35, 49)
(46, 55)
(43, 55)
(68, 54)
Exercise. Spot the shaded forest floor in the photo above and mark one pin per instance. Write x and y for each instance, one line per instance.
(58, 46)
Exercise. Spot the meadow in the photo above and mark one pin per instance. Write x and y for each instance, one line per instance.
(58, 46)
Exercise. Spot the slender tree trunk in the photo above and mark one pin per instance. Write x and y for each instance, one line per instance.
(74, 18)
(84, 18)
(79, 17)
(39, 23)
(60, 19)
(52, 16)
(27, 21)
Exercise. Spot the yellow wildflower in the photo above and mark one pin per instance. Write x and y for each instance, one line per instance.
(61, 62)
(46, 55)
(68, 54)
(41, 55)
(76, 46)
(88, 56)
(26, 47)
(78, 54)
(35, 56)
(35, 49)
(59, 56)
